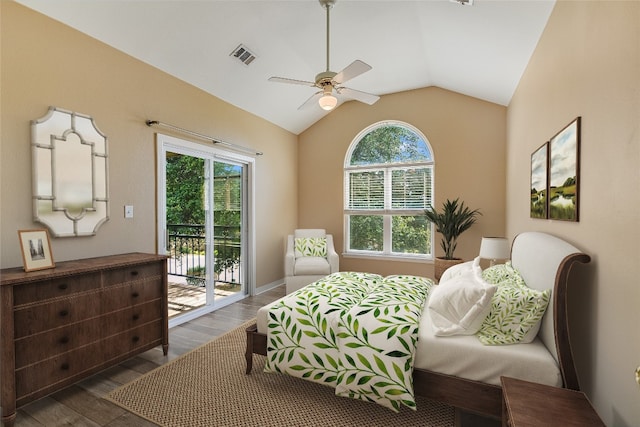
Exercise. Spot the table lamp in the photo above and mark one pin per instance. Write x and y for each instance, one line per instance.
(494, 248)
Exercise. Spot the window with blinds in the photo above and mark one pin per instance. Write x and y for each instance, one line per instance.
(388, 185)
(409, 189)
(366, 190)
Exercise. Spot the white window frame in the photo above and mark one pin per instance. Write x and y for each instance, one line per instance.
(387, 212)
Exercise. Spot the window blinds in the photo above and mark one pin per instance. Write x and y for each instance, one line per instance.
(384, 189)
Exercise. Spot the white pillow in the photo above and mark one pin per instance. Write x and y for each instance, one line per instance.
(459, 305)
(457, 270)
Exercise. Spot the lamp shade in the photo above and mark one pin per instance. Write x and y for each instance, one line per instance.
(494, 248)
(328, 102)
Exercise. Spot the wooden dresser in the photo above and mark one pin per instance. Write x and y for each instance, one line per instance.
(64, 324)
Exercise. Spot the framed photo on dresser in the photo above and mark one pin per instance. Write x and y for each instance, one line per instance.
(36, 249)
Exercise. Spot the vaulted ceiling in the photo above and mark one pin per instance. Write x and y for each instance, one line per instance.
(480, 50)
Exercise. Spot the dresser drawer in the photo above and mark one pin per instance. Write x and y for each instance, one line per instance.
(56, 369)
(130, 294)
(132, 317)
(35, 348)
(61, 287)
(129, 341)
(37, 318)
(127, 274)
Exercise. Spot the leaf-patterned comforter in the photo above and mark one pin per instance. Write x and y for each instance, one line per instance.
(356, 332)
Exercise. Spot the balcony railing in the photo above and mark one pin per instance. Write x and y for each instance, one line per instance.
(187, 249)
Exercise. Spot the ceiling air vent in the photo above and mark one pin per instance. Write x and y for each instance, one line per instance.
(463, 2)
(243, 54)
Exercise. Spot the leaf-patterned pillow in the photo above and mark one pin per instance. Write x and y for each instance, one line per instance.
(311, 246)
(515, 308)
(503, 274)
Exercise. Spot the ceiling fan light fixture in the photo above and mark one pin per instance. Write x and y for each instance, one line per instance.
(329, 81)
(328, 102)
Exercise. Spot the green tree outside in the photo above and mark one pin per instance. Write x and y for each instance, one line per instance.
(185, 190)
(381, 147)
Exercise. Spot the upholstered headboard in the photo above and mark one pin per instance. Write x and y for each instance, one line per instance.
(544, 261)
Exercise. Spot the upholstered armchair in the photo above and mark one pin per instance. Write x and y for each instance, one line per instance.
(310, 256)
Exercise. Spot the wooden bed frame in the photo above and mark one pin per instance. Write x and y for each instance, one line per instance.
(538, 257)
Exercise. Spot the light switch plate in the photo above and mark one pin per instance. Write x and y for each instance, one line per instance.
(128, 211)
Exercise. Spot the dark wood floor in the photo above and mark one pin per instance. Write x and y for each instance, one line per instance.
(82, 404)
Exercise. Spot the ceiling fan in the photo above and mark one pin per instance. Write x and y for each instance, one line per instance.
(329, 81)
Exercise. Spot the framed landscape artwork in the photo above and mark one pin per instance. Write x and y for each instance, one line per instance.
(539, 182)
(564, 170)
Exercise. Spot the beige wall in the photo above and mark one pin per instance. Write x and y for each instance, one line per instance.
(588, 64)
(45, 63)
(468, 140)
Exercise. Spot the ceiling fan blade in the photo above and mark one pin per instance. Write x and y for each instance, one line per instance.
(356, 68)
(313, 99)
(291, 81)
(365, 97)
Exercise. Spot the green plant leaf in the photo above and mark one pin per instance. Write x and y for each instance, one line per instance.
(364, 361)
(397, 353)
(364, 379)
(453, 220)
(380, 364)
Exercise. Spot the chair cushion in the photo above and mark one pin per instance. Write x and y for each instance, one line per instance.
(310, 247)
(309, 232)
(311, 265)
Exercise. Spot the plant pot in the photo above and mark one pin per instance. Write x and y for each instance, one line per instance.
(442, 264)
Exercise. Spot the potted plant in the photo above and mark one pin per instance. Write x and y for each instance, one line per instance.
(454, 219)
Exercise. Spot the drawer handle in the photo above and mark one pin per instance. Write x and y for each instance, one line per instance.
(136, 316)
(135, 338)
(135, 294)
(64, 340)
(64, 366)
(134, 273)
(64, 313)
(63, 286)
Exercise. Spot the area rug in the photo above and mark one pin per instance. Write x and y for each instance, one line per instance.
(208, 387)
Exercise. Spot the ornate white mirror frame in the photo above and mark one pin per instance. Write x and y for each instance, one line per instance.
(70, 173)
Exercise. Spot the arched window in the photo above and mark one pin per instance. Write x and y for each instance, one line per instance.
(388, 176)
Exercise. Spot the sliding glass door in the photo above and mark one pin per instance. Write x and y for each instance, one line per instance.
(203, 226)
(228, 227)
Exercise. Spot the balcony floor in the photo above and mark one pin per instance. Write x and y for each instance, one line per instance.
(184, 297)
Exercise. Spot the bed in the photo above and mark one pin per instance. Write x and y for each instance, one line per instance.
(443, 369)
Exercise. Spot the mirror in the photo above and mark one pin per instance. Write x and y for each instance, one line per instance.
(70, 173)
